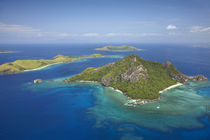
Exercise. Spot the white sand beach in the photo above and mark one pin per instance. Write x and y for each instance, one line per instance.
(134, 102)
(117, 90)
(82, 81)
(42, 67)
(173, 86)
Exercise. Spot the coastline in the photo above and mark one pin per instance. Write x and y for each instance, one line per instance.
(69, 60)
(168, 88)
(7, 52)
(134, 102)
(121, 50)
(82, 81)
(117, 90)
(42, 67)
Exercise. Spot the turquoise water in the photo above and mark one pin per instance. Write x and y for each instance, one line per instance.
(204, 91)
(56, 110)
(178, 108)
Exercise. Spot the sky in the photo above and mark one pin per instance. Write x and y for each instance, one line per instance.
(104, 21)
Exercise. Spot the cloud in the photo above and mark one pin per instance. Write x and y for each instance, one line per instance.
(63, 35)
(17, 28)
(28, 31)
(112, 34)
(23, 33)
(171, 27)
(90, 35)
(118, 34)
(132, 35)
(149, 34)
(199, 29)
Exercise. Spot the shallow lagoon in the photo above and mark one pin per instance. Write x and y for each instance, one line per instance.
(180, 108)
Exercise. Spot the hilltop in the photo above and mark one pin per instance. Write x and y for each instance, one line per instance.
(117, 48)
(135, 77)
(27, 65)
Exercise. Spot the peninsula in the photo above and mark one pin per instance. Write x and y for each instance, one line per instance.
(117, 48)
(6, 51)
(138, 79)
(28, 65)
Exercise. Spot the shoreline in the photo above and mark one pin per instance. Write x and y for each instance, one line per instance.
(51, 65)
(170, 87)
(7, 52)
(121, 50)
(47, 64)
(55, 64)
(82, 81)
(134, 102)
(117, 90)
(42, 67)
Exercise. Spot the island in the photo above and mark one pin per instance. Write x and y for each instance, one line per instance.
(140, 80)
(29, 65)
(117, 48)
(37, 81)
(6, 51)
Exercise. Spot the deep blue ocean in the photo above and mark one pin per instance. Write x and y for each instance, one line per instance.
(57, 111)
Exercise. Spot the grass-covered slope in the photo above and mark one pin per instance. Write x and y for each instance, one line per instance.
(134, 76)
(6, 51)
(117, 48)
(22, 65)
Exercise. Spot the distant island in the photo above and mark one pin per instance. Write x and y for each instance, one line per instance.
(117, 48)
(202, 45)
(29, 65)
(140, 80)
(6, 51)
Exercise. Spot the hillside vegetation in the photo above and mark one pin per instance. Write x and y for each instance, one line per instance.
(22, 65)
(135, 77)
(117, 48)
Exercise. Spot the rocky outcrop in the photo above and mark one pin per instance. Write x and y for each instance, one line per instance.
(197, 78)
(167, 64)
(181, 78)
(37, 81)
(135, 74)
(105, 81)
(184, 78)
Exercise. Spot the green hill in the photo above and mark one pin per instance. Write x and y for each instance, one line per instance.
(135, 77)
(117, 48)
(23, 65)
(6, 51)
